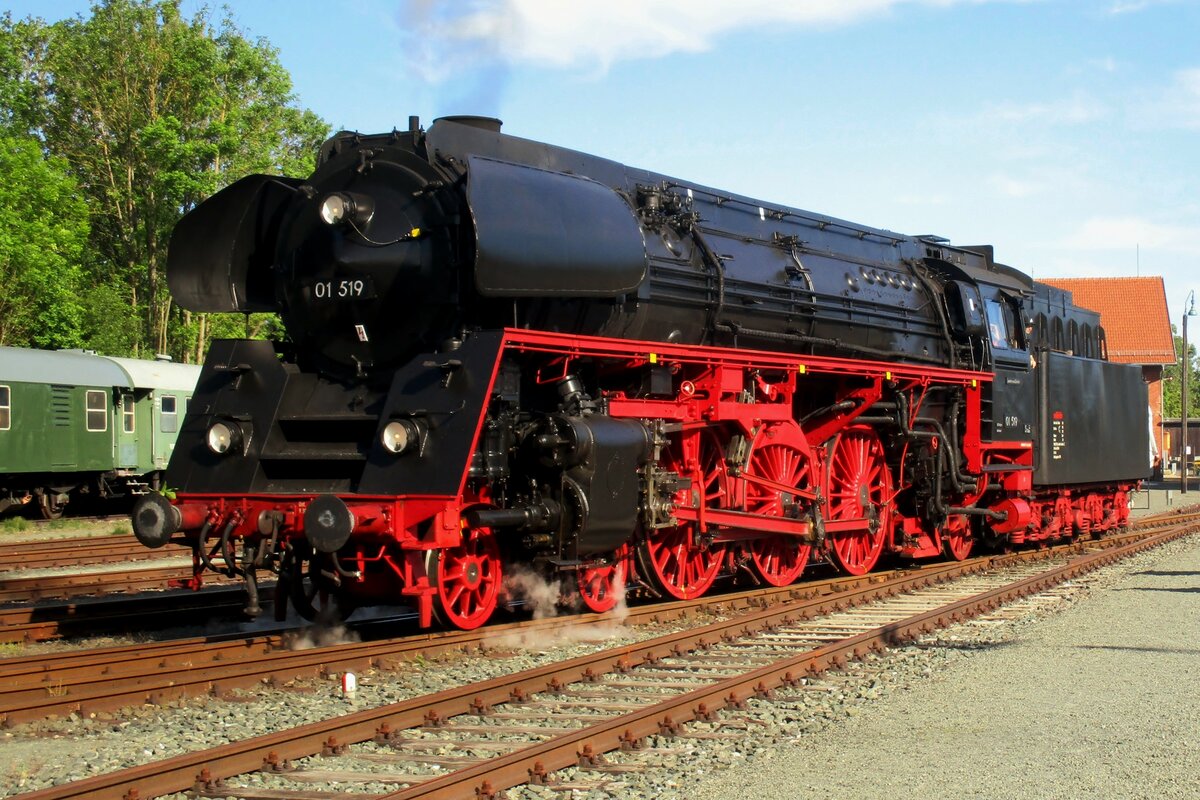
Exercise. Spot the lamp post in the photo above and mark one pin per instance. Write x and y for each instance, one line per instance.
(1184, 374)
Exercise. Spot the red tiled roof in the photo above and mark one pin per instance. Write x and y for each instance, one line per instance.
(1133, 313)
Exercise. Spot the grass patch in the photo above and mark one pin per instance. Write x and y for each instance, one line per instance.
(14, 525)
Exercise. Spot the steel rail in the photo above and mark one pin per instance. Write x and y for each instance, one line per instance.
(506, 770)
(95, 584)
(92, 615)
(81, 551)
(35, 687)
(197, 770)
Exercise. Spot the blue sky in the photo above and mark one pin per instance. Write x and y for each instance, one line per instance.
(1066, 133)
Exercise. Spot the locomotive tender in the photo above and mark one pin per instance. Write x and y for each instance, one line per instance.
(508, 353)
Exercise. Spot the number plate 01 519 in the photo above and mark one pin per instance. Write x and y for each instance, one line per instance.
(359, 288)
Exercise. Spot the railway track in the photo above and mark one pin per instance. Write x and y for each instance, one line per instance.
(142, 578)
(106, 679)
(571, 713)
(79, 551)
(108, 564)
(39, 622)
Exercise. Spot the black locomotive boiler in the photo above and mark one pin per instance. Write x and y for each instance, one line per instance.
(506, 353)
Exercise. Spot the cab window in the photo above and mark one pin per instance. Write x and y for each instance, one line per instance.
(170, 416)
(5, 408)
(97, 411)
(999, 329)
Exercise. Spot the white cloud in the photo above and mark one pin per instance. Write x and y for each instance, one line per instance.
(1076, 110)
(595, 35)
(1182, 99)
(924, 199)
(1134, 6)
(1130, 233)
(1008, 186)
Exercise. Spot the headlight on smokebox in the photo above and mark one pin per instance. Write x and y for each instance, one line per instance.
(401, 436)
(224, 436)
(347, 207)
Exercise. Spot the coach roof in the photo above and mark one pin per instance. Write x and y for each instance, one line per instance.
(158, 374)
(63, 367)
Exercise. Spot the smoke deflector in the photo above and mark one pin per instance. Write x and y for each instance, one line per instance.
(548, 234)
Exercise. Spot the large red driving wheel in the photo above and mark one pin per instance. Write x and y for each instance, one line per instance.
(675, 561)
(859, 487)
(782, 456)
(602, 586)
(467, 578)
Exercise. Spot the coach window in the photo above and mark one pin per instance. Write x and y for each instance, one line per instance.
(127, 413)
(97, 411)
(170, 418)
(5, 408)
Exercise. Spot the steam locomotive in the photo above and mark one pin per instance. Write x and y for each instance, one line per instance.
(507, 353)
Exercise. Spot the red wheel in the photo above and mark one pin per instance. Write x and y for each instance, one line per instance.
(957, 539)
(602, 586)
(676, 561)
(859, 488)
(467, 578)
(780, 455)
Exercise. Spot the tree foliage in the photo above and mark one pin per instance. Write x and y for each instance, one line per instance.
(43, 230)
(152, 113)
(1173, 387)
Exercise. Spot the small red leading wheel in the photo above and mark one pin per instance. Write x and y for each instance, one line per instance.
(602, 585)
(782, 456)
(675, 561)
(1093, 504)
(957, 539)
(467, 578)
(859, 488)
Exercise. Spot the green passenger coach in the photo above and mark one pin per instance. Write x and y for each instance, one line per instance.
(75, 423)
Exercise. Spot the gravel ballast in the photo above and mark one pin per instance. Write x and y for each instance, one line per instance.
(1102, 700)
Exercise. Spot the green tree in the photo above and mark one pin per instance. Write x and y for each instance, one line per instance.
(22, 86)
(43, 229)
(1173, 387)
(154, 112)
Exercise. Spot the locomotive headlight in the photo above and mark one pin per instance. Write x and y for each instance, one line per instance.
(400, 436)
(223, 437)
(333, 210)
(348, 207)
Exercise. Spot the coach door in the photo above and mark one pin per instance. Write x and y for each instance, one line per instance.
(133, 431)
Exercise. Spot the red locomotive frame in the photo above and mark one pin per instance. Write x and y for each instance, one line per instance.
(793, 486)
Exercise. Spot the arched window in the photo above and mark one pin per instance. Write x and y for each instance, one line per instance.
(1073, 337)
(1056, 335)
(1085, 341)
